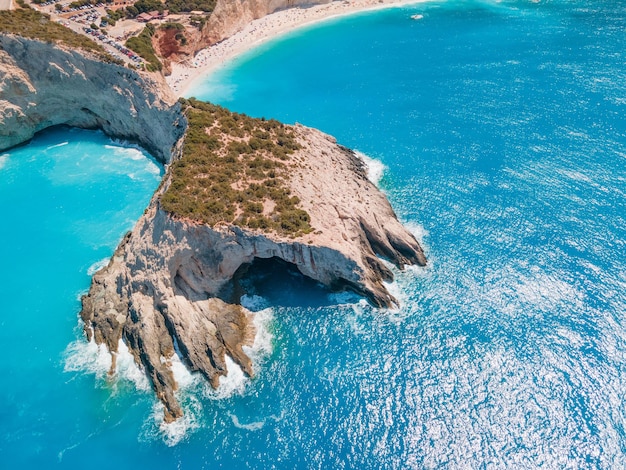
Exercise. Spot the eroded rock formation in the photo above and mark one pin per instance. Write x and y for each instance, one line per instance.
(43, 85)
(165, 290)
(166, 280)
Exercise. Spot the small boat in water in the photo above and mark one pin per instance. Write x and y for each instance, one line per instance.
(417, 17)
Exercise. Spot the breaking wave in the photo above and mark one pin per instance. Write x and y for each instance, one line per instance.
(92, 358)
(3, 160)
(375, 168)
(97, 266)
(62, 144)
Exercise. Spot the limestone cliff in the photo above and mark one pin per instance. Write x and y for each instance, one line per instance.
(231, 16)
(168, 289)
(43, 85)
(166, 282)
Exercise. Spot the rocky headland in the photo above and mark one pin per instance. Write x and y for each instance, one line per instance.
(171, 280)
(236, 189)
(44, 85)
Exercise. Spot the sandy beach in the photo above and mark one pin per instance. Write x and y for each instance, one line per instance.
(264, 29)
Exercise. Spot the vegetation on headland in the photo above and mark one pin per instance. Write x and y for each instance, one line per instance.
(31, 24)
(144, 6)
(173, 6)
(178, 6)
(142, 45)
(177, 29)
(234, 169)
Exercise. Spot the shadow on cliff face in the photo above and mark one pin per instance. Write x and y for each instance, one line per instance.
(281, 284)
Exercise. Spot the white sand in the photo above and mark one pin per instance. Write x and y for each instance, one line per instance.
(262, 30)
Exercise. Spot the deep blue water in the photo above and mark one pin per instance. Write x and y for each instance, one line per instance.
(502, 130)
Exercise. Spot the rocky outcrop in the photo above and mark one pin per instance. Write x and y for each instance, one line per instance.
(231, 16)
(42, 85)
(169, 288)
(170, 280)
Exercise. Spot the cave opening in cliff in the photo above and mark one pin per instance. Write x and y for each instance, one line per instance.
(280, 283)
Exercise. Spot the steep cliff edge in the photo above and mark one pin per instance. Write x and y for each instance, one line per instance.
(170, 281)
(256, 190)
(42, 85)
(231, 16)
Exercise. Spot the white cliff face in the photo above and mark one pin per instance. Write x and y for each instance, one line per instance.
(170, 282)
(168, 277)
(230, 16)
(42, 85)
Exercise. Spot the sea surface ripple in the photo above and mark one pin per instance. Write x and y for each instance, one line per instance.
(498, 132)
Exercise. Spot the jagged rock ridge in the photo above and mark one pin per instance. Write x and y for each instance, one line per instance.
(165, 281)
(164, 287)
(43, 85)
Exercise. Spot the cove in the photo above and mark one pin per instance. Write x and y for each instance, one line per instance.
(66, 198)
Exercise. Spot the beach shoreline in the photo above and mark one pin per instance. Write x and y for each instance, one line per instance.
(263, 30)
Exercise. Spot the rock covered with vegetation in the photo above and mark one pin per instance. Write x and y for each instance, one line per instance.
(28, 23)
(142, 45)
(239, 189)
(235, 170)
(46, 81)
(230, 199)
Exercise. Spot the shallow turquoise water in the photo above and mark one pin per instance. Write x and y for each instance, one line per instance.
(502, 130)
(67, 198)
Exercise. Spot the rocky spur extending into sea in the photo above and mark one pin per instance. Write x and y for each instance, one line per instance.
(236, 189)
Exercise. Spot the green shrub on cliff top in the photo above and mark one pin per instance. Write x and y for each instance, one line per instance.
(234, 170)
(142, 45)
(177, 6)
(31, 24)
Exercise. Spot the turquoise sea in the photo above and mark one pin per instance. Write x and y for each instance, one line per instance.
(498, 132)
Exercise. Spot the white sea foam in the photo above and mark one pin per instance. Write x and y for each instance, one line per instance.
(3, 160)
(127, 369)
(400, 294)
(127, 150)
(421, 235)
(97, 266)
(254, 426)
(121, 147)
(153, 168)
(155, 427)
(418, 231)
(133, 153)
(192, 385)
(185, 379)
(262, 345)
(79, 297)
(375, 168)
(57, 145)
(83, 356)
(234, 383)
